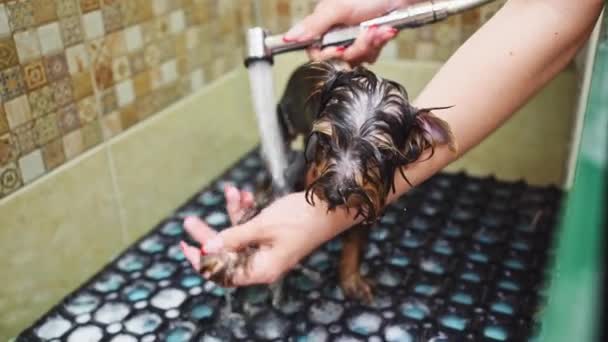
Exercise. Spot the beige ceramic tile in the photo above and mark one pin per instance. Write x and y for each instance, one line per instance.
(93, 25)
(50, 38)
(51, 233)
(17, 111)
(165, 159)
(31, 165)
(77, 58)
(27, 44)
(125, 94)
(134, 38)
(5, 28)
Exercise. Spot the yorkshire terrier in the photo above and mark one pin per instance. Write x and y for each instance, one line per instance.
(361, 129)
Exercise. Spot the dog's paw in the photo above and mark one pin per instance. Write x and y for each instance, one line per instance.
(221, 268)
(356, 287)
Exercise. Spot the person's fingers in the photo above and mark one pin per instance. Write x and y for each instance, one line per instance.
(317, 54)
(235, 238)
(314, 25)
(264, 267)
(247, 199)
(198, 229)
(367, 47)
(192, 254)
(233, 203)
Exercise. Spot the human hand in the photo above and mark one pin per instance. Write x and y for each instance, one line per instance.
(329, 13)
(283, 233)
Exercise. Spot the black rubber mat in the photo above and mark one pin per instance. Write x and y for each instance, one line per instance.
(457, 259)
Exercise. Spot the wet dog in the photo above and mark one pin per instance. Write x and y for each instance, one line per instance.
(360, 131)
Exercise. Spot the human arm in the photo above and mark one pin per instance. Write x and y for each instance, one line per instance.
(493, 74)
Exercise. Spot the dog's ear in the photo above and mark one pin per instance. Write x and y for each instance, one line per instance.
(427, 132)
(325, 74)
(310, 148)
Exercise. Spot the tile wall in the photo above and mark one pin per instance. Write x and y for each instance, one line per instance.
(75, 73)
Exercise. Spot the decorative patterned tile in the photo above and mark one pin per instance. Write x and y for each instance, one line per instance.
(5, 28)
(112, 18)
(25, 137)
(134, 38)
(35, 75)
(160, 6)
(56, 67)
(10, 179)
(104, 78)
(137, 62)
(42, 101)
(109, 103)
(8, 53)
(3, 121)
(32, 166)
(73, 144)
(12, 83)
(87, 110)
(71, 30)
(152, 55)
(45, 11)
(141, 84)
(8, 149)
(67, 118)
(52, 154)
(111, 125)
(20, 14)
(27, 45)
(50, 38)
(46, 129)
(121, 69)
(128, 116)
(62, 91)
(91, 134)
(66, 8)
(115, 44)
(93, 25)
(125, 94)
(82, 85)
(77, 59)
(89, 5)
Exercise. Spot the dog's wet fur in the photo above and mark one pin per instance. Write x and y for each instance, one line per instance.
(360, 131)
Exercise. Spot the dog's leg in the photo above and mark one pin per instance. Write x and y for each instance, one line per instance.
(351, 281)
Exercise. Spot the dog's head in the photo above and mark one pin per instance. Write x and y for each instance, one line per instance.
(365, 130)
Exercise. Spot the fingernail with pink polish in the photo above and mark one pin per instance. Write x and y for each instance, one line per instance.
(341, 49)
(372, 27)
(213, 246)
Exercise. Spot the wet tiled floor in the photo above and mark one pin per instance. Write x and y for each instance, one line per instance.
(459, 258)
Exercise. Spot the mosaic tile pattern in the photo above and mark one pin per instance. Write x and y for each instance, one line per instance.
(76, 72)
(459, 259)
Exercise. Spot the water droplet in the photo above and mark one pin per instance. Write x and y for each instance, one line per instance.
(388, 277)
(397, 333)
(379, 234)
(478, 256)
(124, 338)
(153, 244)
(83, 303)
(415, 310)
(84, 318)
(143, 323)
(54, 327)
(175, 253)
(168, 298)
(109, 282)
(453, 321)
(426, 289)
(508, 285)
(502, 307)
(269, 325)
(191, 281)
(132, 262)
(172, 228)
(471, 276)
(364, 323)
(137, 291)
(111, 312)
(179, 332)
(216, 218)
(201, 311)
(114, 328)
(462, 298)
(399, 260)
(325, 312)
(443, 247)
(89, 333)
(160, 270)
(431, 266)
(495, 332)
